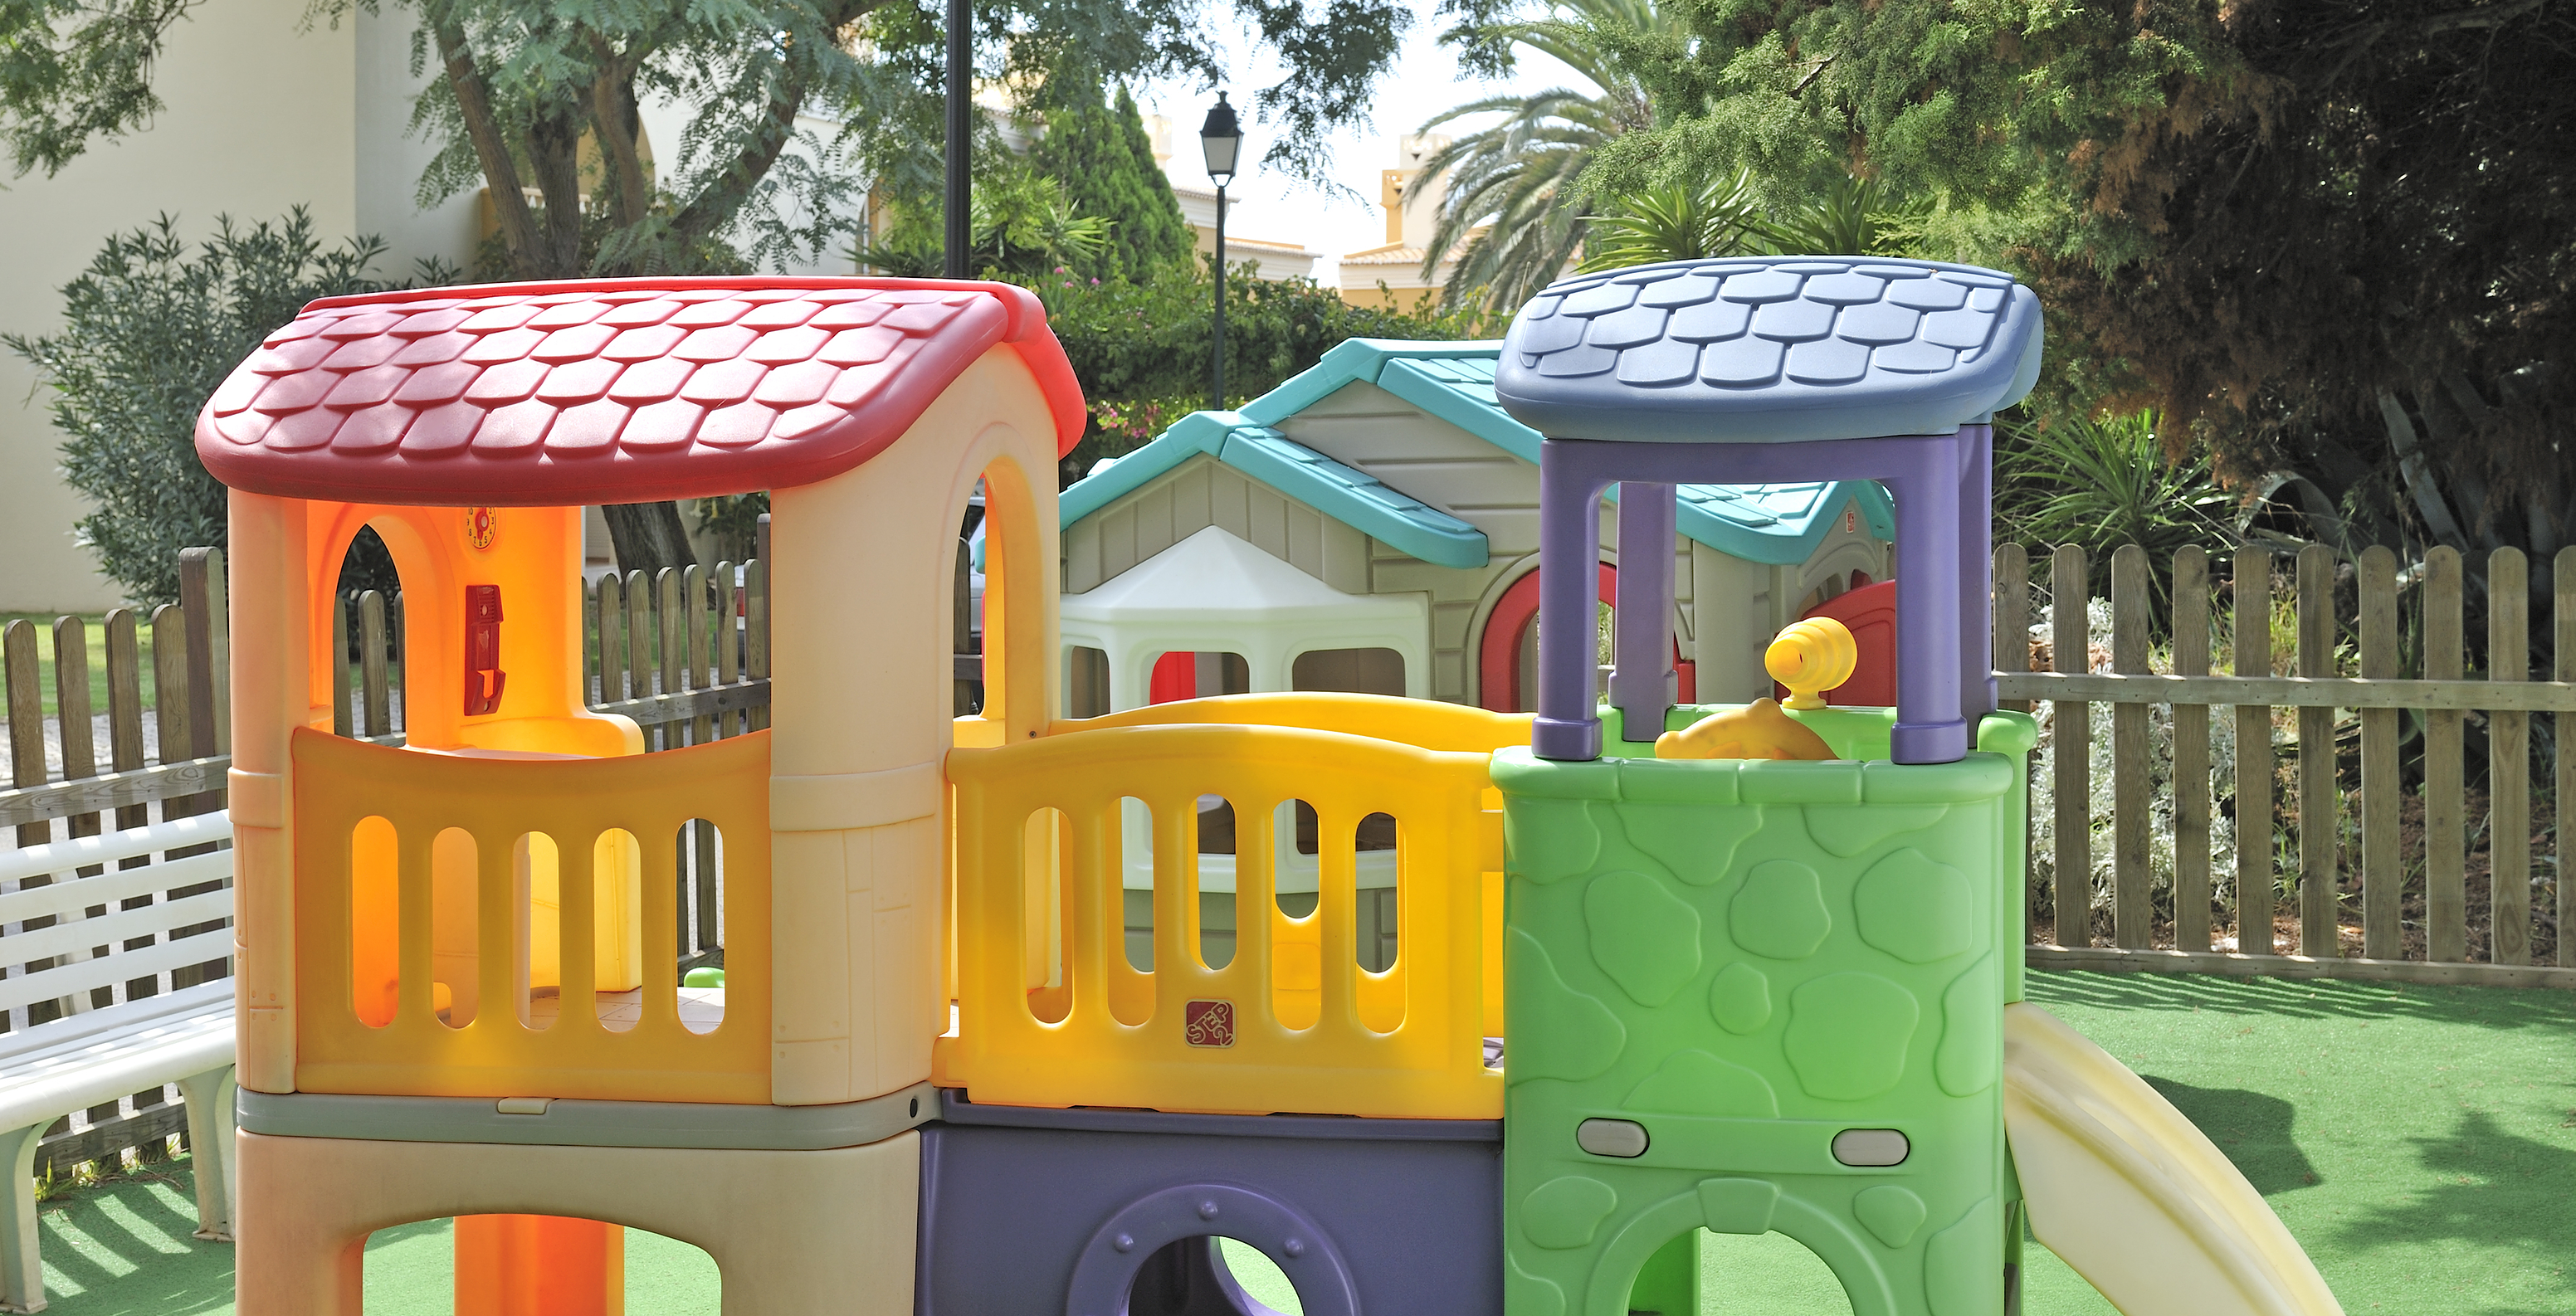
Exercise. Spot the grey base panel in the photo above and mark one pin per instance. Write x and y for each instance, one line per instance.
(568, 1123)
(955, 1108)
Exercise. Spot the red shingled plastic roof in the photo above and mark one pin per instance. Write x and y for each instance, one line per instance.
(608, 391)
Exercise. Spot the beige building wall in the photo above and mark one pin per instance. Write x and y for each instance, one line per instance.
(259, 117)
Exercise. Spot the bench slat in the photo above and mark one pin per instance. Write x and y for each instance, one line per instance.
(106, 848)
(69, 979)
(116, 926)
(71, 895)
(113, 1062)
(49, 1046)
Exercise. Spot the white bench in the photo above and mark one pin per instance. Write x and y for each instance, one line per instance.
(98, 1055)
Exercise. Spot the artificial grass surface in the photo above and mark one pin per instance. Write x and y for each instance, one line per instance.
(2420, 1142)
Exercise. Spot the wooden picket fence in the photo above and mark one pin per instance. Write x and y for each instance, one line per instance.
(2372, 846)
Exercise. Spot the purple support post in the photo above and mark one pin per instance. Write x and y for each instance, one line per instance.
(1976, 574)
(1642, 682)
(1929, 728)
(1569, 538)
(1929, 476)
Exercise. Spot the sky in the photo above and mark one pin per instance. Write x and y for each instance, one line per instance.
(1426, 80)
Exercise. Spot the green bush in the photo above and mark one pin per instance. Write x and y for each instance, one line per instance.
(2101, 482)
(1143, 351)
(148, 333)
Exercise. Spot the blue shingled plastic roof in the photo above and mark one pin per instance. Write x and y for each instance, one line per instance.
(1774, 524)
(1779, 349)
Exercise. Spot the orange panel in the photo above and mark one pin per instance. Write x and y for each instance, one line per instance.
(539, 1265)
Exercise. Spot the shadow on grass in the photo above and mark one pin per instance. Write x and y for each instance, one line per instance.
(127, 1247)
(2497, 1189)
(2251, 1129)
(2485, 1007)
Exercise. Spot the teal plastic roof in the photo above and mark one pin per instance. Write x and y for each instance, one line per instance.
(1773, 524)
(1355, 498)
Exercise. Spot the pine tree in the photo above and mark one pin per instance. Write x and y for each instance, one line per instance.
(1106, 163)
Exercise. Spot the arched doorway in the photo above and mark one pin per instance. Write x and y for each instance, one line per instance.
(1506, 653)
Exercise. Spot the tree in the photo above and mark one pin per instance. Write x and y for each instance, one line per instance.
(1511, 202)
(2343, 257)
(1101, 155)
(149, 331)
(521, 84)
(1023, 224)
(1141, 351)
(1721, 218)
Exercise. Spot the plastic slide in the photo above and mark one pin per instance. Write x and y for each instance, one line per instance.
(2135, 1198)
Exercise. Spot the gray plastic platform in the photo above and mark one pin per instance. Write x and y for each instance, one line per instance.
(568, 1123)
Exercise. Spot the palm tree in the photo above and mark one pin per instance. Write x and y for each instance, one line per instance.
(1853, 217)
(1508, 199)
(1659, 224)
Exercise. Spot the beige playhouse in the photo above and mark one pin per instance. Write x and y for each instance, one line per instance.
(425, 1031)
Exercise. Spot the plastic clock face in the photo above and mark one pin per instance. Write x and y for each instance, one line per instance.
(482, 526)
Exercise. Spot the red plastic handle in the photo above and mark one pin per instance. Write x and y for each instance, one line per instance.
(484, 678)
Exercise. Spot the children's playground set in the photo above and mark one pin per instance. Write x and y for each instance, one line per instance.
(1661, 967)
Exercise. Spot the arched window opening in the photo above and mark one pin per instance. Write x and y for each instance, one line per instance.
(1181, 674)
(367, 641)
(1703, 1273)
(1351, 671)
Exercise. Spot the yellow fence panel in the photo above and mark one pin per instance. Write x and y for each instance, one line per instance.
(1052, 1013)
(412, 869)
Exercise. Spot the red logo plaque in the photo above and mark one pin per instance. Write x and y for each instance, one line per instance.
(1208, 1023)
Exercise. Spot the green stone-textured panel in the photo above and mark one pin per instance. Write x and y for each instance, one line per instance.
(1840, 1030)
(1549, 840)
(1525, 1294)
(1963, 1273)
(1697, 1083)
(1848, 1034)
(1557, 1032)
(1847, 830)
(1565, 1212)
(1643, 936)
(1738, 1206)
(1890, 1212)
(1696, 843)
(1780, 912)
(1739, 998)
(1916, 908)
(1971, 1057)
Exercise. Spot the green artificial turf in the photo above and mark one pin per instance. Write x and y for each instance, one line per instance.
(2420, 1142)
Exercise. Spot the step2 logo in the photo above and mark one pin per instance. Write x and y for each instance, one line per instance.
(1208, 1023)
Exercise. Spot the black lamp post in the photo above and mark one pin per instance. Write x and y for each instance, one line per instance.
(1222, 140)
(958, 237)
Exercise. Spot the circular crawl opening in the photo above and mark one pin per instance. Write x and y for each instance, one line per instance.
(1212, 1275)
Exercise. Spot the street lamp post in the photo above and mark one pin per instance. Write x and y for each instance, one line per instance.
(1221, 138)
(958, 233)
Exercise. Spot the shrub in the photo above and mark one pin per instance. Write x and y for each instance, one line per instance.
(1142, 351)
(149, 331)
